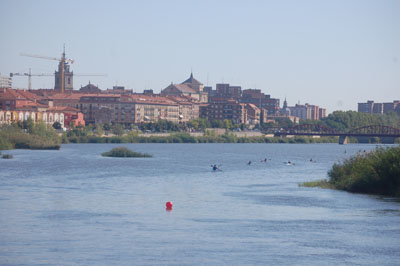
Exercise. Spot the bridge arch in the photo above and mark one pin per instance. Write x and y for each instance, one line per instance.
(375, 130)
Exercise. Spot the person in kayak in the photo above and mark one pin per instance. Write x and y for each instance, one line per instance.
(215, 168)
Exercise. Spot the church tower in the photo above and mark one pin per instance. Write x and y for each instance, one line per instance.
(68, 76)
(284, 105)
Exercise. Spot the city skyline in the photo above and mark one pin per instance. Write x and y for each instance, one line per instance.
(331, 54)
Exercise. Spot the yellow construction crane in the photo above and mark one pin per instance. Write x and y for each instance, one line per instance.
(30, 75)
(63, 61)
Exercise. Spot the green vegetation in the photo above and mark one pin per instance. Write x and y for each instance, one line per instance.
(124, 152)
(28, 135)
(341, 121)
(7, 156)
(319, 183)
(81, 136)
(344, 121)
(376, 172)
(199, 124)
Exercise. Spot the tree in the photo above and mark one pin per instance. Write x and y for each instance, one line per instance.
(99, 129)
(28, 125)
(57, 125)
(217, 124)
(106, 127)
(118, 130)
(227, 124)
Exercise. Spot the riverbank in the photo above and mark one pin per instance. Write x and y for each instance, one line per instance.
(375, 172)
(187, 138)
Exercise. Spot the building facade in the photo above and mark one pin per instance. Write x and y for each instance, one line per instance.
(261, 100)
(190, 87)
(306, 111)
(230, 109)
(371, 107)
(5, 82)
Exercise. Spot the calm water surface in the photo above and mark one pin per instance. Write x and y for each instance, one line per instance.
(74, 207)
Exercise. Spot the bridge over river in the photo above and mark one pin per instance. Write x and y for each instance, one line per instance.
(363, 134)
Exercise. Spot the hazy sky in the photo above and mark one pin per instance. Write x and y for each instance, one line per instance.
(330, 53)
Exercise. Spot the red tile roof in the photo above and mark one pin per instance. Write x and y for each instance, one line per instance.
(63, 109)
(148, 99)
(11, 94)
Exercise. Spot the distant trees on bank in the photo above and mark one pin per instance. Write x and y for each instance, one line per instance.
(341, 121)
(26, 134)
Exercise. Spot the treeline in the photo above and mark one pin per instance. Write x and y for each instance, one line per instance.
(375, 172)
(342, 121)
(183, 137)
(199, 124)
(28, 135)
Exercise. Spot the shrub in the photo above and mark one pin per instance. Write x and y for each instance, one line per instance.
(376, 172)
(124, 152)
(7, 156)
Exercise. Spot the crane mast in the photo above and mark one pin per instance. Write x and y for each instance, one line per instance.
(29, 75)
(63, 61)
(63, 65)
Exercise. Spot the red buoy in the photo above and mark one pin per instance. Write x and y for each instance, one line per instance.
(168, 206)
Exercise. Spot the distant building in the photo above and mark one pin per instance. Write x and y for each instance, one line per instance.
(90, 88)
(371, 107)
(221, 109)
(20, 105)
(190, 87)
(391, 107)
(189, 109)
(253, 114)
(13, 99)
(285, 109)
(68, 78)
(119, 90)
(377, 108)
(261, 100)
(207, 89)
(366, 107)
(300, 111)
(5, 82)
(148, 92)
(227, 91)
(322, 113)
(233, 110)
(306, 111)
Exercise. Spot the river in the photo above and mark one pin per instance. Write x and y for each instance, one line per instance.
(74, 207)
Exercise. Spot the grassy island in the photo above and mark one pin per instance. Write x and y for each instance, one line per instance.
(124, 152)
(7, 156)
(375, 172)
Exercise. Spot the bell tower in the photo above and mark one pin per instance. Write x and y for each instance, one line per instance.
(68, 76)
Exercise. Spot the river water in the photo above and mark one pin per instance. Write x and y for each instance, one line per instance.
(74, 207)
